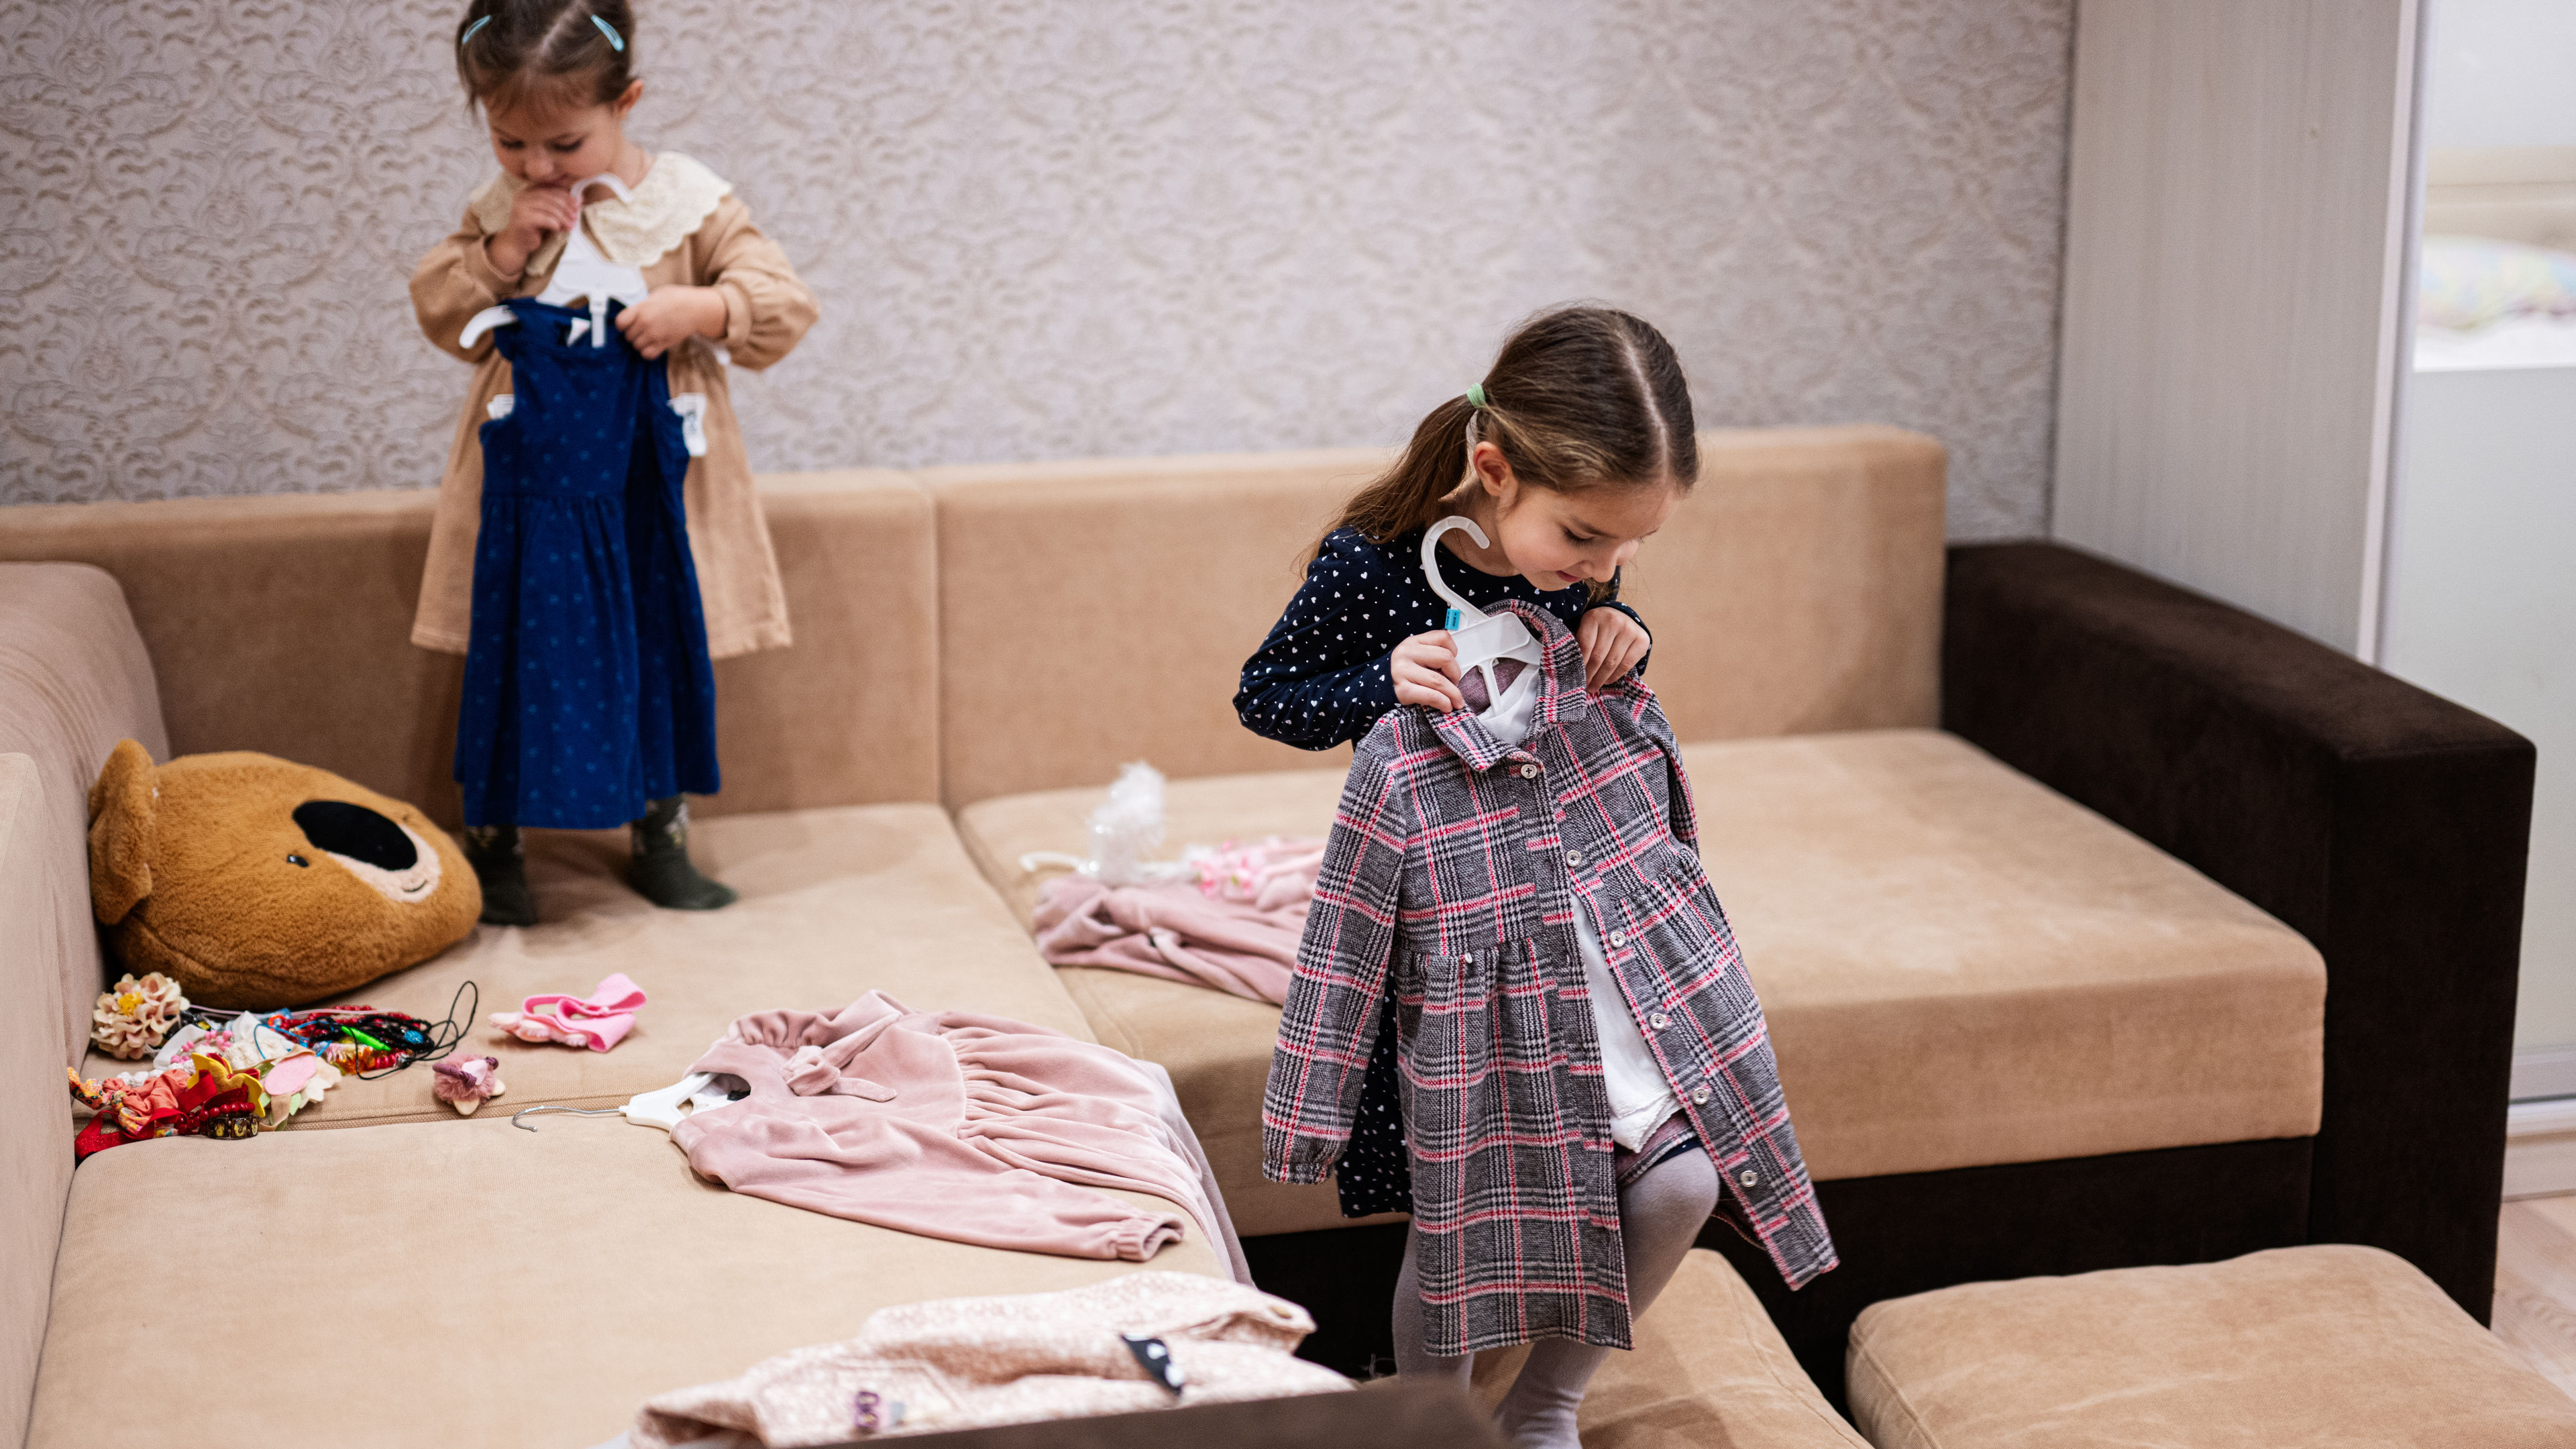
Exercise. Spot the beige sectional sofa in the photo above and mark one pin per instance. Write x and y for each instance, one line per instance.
(1991, 1003)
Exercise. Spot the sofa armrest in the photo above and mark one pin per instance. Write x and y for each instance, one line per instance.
(2387, 825)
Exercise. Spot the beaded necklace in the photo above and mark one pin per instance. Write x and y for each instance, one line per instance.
(365, 1041)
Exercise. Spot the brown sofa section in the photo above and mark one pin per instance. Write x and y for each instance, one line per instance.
(36, 1152)
(1090, 614)
(2031, 1010)
(2387, 825)
(2298, 1348)
(1708, 1372)
(1799, 587)
(835, 903)
(283, 624)
(1963, 968)
(1217, 1047)
(73, 681)
(1097, 612)
(1960, 967)
(464, 1283)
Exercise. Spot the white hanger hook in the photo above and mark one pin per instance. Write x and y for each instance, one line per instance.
(1467, 612)
(608, 179)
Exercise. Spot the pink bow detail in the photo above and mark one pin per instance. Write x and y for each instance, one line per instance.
(597, 1021)
(811, 1074)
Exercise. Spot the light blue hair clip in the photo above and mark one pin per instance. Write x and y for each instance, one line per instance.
(616, 41)
(1476, 395)
(469, 31)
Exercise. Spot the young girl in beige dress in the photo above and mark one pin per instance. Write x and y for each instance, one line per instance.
(700, 286)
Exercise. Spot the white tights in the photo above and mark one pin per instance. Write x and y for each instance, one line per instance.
(1659, 1218)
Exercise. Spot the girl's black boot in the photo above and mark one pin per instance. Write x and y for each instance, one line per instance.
(664, 874)
(501, 865)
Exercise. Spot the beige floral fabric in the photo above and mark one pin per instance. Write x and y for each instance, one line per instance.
(963, 1363)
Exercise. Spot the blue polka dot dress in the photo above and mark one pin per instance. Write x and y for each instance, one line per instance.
(1323, 678)
(588, 691)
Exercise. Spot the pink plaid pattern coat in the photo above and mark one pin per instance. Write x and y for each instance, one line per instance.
(1450, 880)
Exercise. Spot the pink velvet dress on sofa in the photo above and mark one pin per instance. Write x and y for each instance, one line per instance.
(950, 1124)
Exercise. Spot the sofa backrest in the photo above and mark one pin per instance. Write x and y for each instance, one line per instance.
(968, 632)
(1097, 612)
(73, 681)
(283, 624)
(1100, 611)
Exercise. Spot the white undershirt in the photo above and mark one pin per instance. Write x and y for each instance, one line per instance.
(1640, 1096)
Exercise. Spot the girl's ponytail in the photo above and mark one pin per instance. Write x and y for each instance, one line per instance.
(1580, 397)
(1407, 496)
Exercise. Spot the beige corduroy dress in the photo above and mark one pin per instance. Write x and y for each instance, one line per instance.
(682, 226)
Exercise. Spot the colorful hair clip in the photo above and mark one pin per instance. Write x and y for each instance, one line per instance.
(615, 40)
(479, 23)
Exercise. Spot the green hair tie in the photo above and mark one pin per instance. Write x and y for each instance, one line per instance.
(1476, 396)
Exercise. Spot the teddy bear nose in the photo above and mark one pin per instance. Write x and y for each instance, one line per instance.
(356, 832)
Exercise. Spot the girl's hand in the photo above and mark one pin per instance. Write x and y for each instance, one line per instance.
(540, 212)
(1612, 644)
(1426, 671)
(671, 316)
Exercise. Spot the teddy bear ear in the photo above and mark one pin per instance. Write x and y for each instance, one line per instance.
(123, 806)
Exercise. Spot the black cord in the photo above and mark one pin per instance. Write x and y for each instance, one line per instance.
(445, 1035)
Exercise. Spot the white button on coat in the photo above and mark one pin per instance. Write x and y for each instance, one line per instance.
(1748, 1177)
(1659, 1021)
(1529, 772)
(1699, 1096)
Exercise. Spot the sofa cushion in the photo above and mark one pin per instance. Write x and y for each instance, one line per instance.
(465, 1284)
(1964, 967)
(1216, 1046)
(1092, 612)
(835, 903)
(1799, 587)
(2297, 1348)
(73, 681)
(1708, 1372)
(1100, 611)
(1960, 966)
(35, 1142)
(264, 614)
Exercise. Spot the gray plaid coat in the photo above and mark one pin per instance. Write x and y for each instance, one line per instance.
(1450, 880)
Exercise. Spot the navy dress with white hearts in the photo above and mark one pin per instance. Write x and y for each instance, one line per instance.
(588, 691)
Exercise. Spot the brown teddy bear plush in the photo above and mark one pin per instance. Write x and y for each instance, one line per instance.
(258, 883)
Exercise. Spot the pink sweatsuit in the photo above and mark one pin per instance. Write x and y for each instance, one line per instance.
(948, 1124)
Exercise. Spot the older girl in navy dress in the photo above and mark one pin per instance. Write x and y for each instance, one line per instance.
(1568, 454)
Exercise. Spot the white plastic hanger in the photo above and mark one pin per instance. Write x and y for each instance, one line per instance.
(697, 1092)
(580, 273)
(1480, 638)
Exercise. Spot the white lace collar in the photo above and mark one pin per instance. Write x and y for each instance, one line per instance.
(674, 199)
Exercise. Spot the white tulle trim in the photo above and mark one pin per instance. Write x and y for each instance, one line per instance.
(675, 198)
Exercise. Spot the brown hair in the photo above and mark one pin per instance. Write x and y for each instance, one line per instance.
(1581, 397)
(511, 51)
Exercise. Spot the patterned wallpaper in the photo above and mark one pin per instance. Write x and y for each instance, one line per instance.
(1048, 228)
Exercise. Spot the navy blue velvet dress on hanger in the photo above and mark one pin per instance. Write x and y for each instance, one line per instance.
(588, 691)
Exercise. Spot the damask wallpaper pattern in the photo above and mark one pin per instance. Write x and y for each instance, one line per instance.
(1048, 228)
